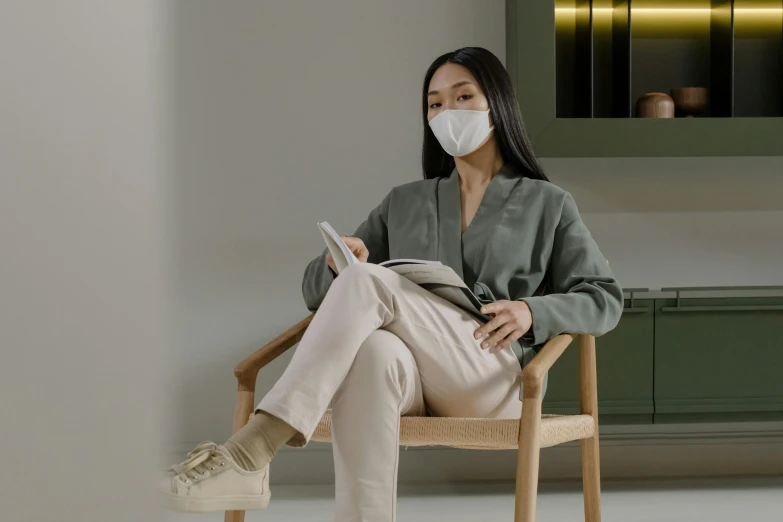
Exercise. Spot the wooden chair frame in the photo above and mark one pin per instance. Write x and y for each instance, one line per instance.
(532, 378)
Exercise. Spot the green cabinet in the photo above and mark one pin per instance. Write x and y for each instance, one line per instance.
(715, 358)
(683, 359)
(625, 370)
(540, 65)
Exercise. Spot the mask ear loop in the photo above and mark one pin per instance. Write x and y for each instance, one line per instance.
(489, 118)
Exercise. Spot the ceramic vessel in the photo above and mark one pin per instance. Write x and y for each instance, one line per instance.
(690, 101)
(655, 105)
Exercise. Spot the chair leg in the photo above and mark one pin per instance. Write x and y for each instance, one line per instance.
(242, 410)
(591, 461)
(591, 479)
(527, 460)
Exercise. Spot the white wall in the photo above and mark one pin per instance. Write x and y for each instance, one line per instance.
(682, 221)
(83, 338)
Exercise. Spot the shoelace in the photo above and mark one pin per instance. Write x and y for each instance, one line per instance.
(205, 457)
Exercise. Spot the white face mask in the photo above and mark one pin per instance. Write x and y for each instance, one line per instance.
(461, 132)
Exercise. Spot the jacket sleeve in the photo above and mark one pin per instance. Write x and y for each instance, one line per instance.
(586, 298)
(318, 276)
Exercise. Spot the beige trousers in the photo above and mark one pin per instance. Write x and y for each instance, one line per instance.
(380, 347)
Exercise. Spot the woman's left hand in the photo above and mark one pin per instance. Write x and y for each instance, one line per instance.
(512, 320)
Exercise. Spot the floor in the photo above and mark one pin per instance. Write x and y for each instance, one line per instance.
(735, 500)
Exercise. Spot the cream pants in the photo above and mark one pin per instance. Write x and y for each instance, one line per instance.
(380, 347)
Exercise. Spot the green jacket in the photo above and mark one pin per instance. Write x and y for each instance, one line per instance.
(526, 242)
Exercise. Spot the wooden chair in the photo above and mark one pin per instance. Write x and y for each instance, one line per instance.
(528, 435)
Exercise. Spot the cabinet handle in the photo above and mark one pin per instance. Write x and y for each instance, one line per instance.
(635, 310)
(727, 308)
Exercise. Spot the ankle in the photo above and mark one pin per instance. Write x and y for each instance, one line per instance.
(254, 446)
(243, 458)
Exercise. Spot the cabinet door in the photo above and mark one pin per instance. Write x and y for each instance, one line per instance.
(718, 356)
(625, 370)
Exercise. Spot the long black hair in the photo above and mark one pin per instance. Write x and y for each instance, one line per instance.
(495, 82)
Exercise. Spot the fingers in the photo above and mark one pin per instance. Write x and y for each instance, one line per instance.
(330, 262)
(493, 324)
(510, 339)
(498, 336)
(362, 254)
(503, 329)
(358, 248)
(494, 308)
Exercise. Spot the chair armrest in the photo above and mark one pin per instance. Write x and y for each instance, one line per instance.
(247, 371)
(533, 375)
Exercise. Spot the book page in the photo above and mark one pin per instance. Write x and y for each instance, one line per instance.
(341, 254)
(394, 262)
(429, 274)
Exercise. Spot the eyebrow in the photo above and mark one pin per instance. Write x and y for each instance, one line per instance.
(458, 84)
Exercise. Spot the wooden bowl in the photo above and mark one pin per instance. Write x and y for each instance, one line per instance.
(691, 101)
(655, 105)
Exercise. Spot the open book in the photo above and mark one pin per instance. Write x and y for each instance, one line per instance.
(434, 276)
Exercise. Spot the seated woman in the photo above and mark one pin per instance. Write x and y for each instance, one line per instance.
(380, 346)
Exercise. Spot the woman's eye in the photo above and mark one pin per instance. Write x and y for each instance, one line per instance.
(465, 97)
(434, 105)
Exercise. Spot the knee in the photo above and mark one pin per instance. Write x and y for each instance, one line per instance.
(382, 371)
(379, 354)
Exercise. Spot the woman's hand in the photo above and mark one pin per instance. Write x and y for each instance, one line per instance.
(512, 320)
(357, 247)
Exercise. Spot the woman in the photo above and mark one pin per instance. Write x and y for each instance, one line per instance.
(380, 346)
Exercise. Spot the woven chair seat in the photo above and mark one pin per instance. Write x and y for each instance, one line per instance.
(483, 434)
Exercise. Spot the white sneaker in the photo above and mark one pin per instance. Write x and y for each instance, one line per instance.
(210, 480)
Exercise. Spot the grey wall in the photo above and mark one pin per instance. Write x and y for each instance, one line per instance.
(83, 313)
(287, 113)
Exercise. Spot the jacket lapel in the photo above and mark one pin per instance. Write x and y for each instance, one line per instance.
(449, 223)
(453, 245)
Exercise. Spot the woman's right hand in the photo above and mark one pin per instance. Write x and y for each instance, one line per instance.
(357, 247)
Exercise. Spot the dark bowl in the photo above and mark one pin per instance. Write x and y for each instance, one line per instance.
(691, 100)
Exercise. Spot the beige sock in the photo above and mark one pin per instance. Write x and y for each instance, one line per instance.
(253, 447)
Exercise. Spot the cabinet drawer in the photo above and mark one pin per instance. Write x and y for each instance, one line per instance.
(625, 369)
(721, 355)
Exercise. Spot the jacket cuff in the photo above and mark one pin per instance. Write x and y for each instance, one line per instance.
(541, 331)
